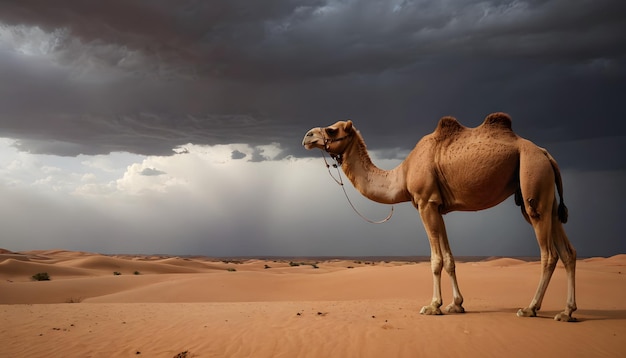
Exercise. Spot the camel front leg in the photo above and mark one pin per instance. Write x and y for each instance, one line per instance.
(440, 257)
(436, 264)
(457, 298)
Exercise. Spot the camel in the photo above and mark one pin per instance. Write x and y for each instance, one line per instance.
(457, 168)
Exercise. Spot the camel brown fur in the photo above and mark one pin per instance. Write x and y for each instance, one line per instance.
(456, 168)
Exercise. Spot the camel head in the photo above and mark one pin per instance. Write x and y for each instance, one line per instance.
(333, 139)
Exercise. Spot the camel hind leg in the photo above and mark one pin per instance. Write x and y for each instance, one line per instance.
(537, 181)
(549, 258)
(553, 247)
(567, 254)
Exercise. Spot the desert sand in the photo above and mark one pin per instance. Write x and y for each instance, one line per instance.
(156, 306)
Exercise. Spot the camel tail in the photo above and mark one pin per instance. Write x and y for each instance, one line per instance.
(562, 210)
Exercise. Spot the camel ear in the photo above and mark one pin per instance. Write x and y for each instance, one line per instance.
(348, 127)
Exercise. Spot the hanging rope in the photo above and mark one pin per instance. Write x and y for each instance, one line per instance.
(340, 183)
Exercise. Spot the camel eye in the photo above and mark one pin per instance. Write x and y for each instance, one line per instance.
(331, 131)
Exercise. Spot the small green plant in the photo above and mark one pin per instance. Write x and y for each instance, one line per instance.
(231, 269)
(116, 273)
(41, 276)
(136, 273)
(73, 300)
(291, 263)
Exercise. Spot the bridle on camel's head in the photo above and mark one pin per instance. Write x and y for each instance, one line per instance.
(338, 158)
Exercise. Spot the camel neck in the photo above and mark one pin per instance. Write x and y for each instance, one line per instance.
(383, 186)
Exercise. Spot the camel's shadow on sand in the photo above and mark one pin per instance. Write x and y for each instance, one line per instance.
(600, 315)
(581, 315)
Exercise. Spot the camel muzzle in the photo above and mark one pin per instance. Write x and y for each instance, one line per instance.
(312, 140)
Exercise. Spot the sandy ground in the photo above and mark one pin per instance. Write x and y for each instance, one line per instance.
(197, 307)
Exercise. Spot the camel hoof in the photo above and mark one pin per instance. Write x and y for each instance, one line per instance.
(454, 308)
(430, 310)
(564, 317)
(526, 312)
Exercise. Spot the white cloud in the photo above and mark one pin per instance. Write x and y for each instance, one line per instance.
(110, 163)
(205, 202)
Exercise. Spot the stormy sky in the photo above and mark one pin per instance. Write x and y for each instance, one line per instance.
(175, 126)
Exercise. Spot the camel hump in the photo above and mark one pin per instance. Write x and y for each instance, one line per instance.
(448, 126)
(498, 120)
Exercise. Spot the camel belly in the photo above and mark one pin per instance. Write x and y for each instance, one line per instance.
(477, 175)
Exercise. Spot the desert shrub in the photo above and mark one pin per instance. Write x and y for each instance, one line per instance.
(116, 273)
(236, 262)
(230, 269)
(314, 266)
(73, 300)
(291, 263)
(267, 266)
(41, 276)
(136, 273)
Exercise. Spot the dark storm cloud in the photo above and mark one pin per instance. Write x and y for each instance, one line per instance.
(237, 155)
(147, 76)
(149, 172)
(257, 155)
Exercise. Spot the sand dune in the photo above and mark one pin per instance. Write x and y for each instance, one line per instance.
(502, 262)
(7, 256)
(161, 306)
(617, 260)
(22, 270)
(124, 266)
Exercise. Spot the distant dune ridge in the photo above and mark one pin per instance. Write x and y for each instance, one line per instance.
(159, 306)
